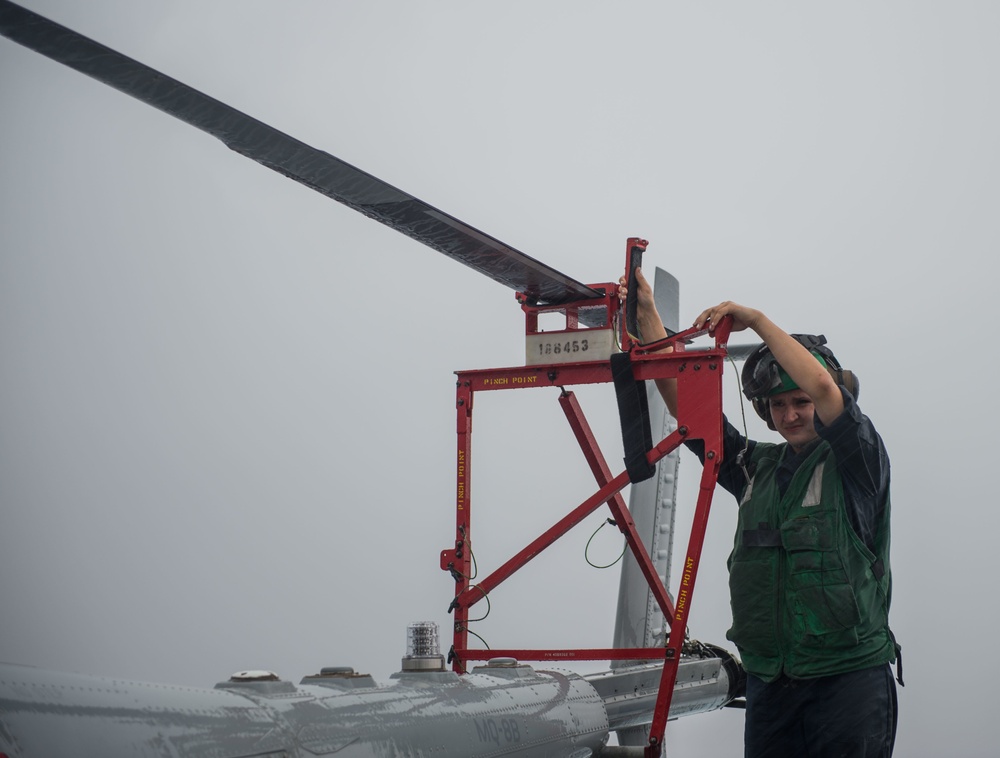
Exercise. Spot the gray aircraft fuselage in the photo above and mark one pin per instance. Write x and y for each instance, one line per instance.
(502, 708)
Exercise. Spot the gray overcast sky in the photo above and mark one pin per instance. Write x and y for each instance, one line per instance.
(226, 402)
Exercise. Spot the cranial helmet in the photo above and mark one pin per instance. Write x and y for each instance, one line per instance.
(762, 376)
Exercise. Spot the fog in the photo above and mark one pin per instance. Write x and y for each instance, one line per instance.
(227, 426)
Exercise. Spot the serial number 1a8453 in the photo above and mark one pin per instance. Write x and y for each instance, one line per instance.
(570, 346)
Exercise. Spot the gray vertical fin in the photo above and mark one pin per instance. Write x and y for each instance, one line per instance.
(639, 621)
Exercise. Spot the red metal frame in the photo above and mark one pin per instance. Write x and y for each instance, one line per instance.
(699, 396)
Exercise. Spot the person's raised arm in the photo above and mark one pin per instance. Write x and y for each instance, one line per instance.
(651, 328)
(803, 368)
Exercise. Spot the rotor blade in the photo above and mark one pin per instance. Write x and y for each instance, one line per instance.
(296, 160)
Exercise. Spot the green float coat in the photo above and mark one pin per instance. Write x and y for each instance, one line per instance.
(809, 598)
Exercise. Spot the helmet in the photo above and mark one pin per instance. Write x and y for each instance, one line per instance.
(762, 376)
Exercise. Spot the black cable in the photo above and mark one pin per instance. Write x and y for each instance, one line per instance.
(586, 550)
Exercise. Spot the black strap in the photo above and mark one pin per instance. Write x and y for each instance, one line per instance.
(633, 410)
(899, 659)
(633, 261)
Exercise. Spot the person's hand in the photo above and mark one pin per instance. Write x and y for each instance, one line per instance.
(644, 291)
(743, 317)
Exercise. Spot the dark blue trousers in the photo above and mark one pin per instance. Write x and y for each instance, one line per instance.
(849, 715)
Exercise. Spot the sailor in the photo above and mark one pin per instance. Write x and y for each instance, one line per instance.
(809, 577)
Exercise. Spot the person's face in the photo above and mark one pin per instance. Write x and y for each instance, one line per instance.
(792, 416)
